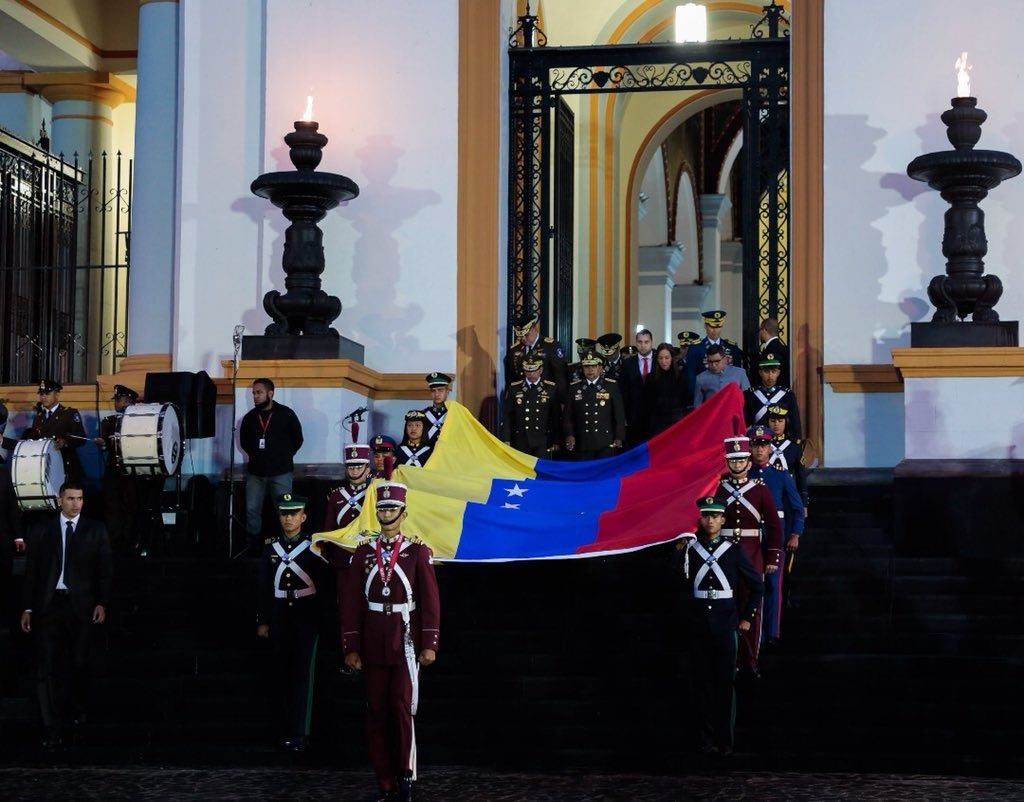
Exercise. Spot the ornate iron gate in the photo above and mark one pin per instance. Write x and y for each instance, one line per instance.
(64, 230)
(539, 76)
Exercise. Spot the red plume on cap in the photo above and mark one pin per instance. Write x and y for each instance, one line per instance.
(389, 466)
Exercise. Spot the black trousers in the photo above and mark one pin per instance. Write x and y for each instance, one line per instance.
(294, 638)
(596, 453)
(62, 662)
(713, 666)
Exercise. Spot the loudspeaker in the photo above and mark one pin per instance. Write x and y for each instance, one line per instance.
(194, 394)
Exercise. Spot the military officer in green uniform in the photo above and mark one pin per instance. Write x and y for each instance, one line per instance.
(289, 614)
(531, 421)
(549, 351)
(594, 420)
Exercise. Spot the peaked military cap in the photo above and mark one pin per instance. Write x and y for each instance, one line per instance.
(714, 317)
(391, 494)
(628, 350)
(383, 443)
(49, 386)
(120, 391)
(591, 358)
(436, 379)
(584, 344)
(291, 501)
(760, 434)
(523, 324)
(532, 363)
(688, 338)
(737, 447)
(777, 412)
(416, 414)
(769, 360)
(608, 344)
(357, 454)
(710, 504)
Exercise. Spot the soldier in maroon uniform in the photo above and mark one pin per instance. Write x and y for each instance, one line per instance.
(751, 519)
(389, 622)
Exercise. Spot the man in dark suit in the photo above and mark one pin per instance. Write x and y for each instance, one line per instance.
(768, 335)
(67, 585)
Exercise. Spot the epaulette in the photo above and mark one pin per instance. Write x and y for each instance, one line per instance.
(548, 381)
(610, 381)
(575, 381)
(520, 381)
(549, 339)
(334, 489)
(368, 536)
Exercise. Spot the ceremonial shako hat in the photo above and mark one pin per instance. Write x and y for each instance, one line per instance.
(120, 391)
(737, 447)
(777, 412)
(591, 358)
(713, 317)
(628, 350)
(436, 379)
(416, 414)
(584, 344)
(290, 502)
(608, 344)
(357, 454)
(760, 434)
(391, 494)
(532, 363)
(768, 360)
(687, 338)
(710, 504)
(49, 386)
(383, 443)
(523, 324)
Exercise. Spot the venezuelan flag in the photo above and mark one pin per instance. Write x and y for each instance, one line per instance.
(478, 499)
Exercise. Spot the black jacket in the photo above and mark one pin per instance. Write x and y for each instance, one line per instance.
(283, 440)
(666, 397)
(88, 568)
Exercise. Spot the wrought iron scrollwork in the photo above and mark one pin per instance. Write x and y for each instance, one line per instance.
(527, 33)
(681, 75)
(773, 25)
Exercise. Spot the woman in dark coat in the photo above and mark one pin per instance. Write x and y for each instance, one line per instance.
(666, 393)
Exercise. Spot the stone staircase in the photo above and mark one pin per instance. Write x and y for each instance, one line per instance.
(886, 664)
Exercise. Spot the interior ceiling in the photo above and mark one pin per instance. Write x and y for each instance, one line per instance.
(45, 35)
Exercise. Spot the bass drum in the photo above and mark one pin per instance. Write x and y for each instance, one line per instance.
(147, 440)
(37, 472)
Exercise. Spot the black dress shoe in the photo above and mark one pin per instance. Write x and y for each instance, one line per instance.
(404, 790)
(52, 741)
(388, 796)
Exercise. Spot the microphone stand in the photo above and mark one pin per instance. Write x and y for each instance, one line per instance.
(237, 340)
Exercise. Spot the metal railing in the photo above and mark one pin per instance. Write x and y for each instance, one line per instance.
(64, 262)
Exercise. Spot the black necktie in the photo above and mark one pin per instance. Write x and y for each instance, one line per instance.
(69, 530)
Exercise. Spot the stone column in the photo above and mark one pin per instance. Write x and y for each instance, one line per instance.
(713, 209)
(154, 197)
(656, 278)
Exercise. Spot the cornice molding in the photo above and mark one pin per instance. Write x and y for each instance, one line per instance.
(96, 87)
(862, 378)
(924, 363)
(343, 373)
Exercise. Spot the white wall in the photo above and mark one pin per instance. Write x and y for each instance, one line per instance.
(384, 76)
(863, 430)
(888, 76)
(942, 424)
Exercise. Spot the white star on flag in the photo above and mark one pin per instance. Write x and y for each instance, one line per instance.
(516, 490)
(507, 506)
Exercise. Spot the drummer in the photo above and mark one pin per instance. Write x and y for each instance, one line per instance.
(120, 499)
(60, 423)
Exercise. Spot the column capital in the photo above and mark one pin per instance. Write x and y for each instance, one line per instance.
(95, 87)
(713, 208)
(658, 264)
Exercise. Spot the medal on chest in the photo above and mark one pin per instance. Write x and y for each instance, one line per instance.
(386, 559)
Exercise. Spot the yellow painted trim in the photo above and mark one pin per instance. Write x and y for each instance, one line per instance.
(592, 228)
(342, 373)
(477, 255)
(863, 378)
(150, 2)
(922, 363)
(807, 214)
(98, 86)
(49, 19)
(608, 324)
(23, 397)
